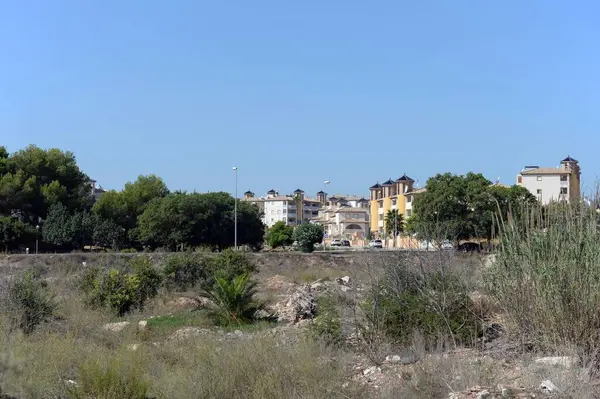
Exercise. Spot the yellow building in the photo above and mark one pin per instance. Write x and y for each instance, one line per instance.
(388, 196)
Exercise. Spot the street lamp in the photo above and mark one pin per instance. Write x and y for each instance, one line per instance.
(235, 170)
(37, 228)
(325, 183)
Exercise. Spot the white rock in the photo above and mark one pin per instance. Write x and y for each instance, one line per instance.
(344, 280)
(142, 325)
(188, 332)
(370, 370)
(393, 359)
(564, 361)
(548, 386)
(483, 394)
(116, 327)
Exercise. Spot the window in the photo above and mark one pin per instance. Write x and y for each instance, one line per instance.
(380, 204)
(539, 178)
(408, 213)
(519, 179)
(539, 191)
(380, 216)
(564, 190)
(409, 198)
(394, 200)
(563, 178)
(284, 211)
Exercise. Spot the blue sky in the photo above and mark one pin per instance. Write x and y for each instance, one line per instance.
(294, 93)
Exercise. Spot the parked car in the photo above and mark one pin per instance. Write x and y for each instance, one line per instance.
(346, 243)
(376, 244)
(336, 243)
(469, 247)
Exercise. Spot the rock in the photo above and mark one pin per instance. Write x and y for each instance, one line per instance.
(188, 332)
(393, 359)
(548, 386)
(142, 325)
(318, 286)
(184, 303)
(344, 280)
(485, 394)
(564, 361)
(300, 305)
(370, 371)
(116, 327)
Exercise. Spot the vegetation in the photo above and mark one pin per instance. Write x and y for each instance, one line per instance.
(280, 235)
(185, 270)
(547, 276)
(29, 302)
(233, 300)
(394, 222)
(327, 325)
(121, 290)
(307, 235)
(458, 207)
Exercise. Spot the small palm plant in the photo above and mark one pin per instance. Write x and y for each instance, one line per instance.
(233, 299)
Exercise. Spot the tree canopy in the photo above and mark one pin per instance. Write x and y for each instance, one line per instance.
(457, 207)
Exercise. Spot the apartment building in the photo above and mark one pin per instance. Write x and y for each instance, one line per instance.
(292, 209)
(345, 222)
(561, 183)
(392, 194)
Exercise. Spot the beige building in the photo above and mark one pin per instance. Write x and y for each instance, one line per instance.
(344, 222)
(561, 183)
(293, 209)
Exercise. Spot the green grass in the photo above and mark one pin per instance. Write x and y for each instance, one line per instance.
(181, 319)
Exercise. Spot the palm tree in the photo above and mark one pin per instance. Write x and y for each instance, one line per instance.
(394, 223)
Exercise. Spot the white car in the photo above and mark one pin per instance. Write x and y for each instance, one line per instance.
(336, 243)
(376, 244)
(446, 245)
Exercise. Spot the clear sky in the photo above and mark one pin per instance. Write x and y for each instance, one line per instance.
(296, 92)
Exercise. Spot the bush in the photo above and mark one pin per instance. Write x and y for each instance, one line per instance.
(29, 302)
(121, 290)
(307, 235)
(435, 304)
(184, 271)
(114, 380)
(280, 235)
(327, 324)
(233, 300)
(230, 264)
(546, 276)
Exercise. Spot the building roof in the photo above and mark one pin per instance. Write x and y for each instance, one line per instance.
(375, 186)
(545, 171)
(404, 178)
(298, 191)
(271, 191)
(248, 192)
(569, 159)
(389, 182)
(417, 191)
(320, 192)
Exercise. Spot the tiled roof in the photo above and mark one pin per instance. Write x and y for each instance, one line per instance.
(404, 178)
(375, 186)
(321, 192)
(387, 183)
(545, 171)
(569, 159)
(298, 191)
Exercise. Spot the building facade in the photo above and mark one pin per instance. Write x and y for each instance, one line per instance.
(390, 195)
(344, 222)
(562, 183)
(291, 209)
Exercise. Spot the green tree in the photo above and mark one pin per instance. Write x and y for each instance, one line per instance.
(57, 229)
(394, 222)
(108, 234)
(13, 232)
(33, 179)
(199, 219)
(280, 235)
(307, 235)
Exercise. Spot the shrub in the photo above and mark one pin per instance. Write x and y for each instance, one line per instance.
(280, 235)
(327, 324)
(184, 271)
(435, 303)
(29, 302)
(233, 299)
(121, 290)
(229, 264)
(307, 235)
(546, 276)
(114, 380)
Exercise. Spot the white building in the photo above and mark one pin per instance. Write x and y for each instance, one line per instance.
(291, 209)
(552, 184)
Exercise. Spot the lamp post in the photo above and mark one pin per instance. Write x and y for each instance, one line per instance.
(235, 170)
(37, 228)
(325, 183)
